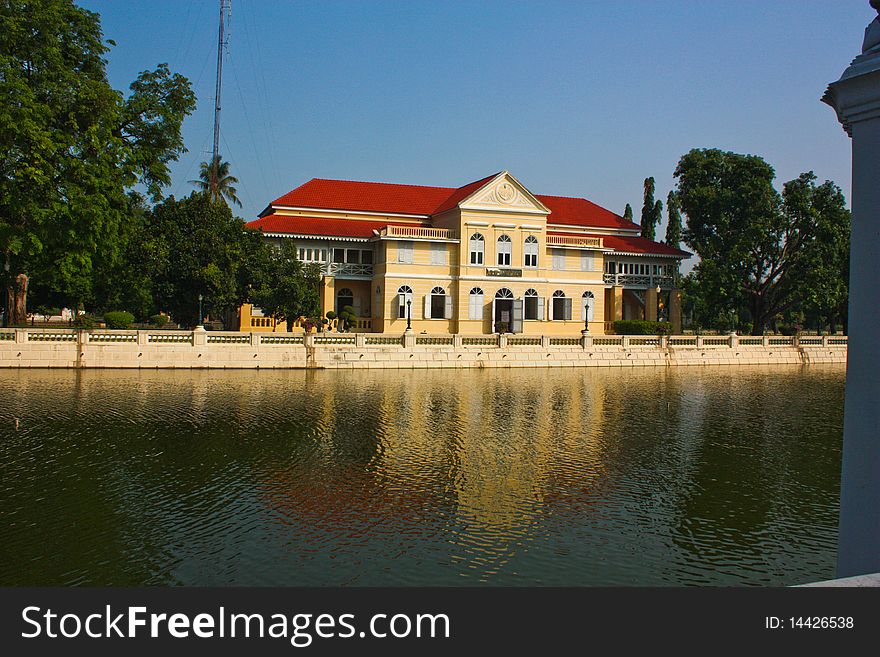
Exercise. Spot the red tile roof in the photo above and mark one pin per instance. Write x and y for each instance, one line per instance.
(626, 244)
(275, 223)
(462, 193)
(414, 199)
(365, 197)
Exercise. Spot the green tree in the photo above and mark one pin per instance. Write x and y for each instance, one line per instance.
(216, 181)
(673, 222)
(204, 250)
(628, 212)
(70, 147)
(757, 248)
(649, 210)
(290, 288)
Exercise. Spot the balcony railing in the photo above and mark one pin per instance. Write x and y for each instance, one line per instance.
(565, 240)
(418, 232)
(347, 269)
(639, 280)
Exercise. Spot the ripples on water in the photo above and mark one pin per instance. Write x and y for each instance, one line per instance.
(724, 476)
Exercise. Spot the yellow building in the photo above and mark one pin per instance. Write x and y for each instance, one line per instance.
(483, 258)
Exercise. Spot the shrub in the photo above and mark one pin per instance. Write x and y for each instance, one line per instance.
(118, 319)
(348, 317)
(641, 327)
(159, 320)
(331, 315)
(85, 321)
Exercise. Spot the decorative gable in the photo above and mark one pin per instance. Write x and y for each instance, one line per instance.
(504, 193)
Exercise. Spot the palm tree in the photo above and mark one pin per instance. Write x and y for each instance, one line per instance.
(216, 181)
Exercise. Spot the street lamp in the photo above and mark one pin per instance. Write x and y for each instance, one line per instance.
(200, 309)
(409, 314)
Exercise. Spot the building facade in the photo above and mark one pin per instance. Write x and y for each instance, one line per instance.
(483, 258)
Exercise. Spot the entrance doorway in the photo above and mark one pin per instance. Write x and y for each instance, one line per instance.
(507, 312)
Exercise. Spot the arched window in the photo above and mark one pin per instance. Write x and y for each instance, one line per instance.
(344, 297)
(404, 294)
(504, 293)
(438, 305)
(504, 250)
(531, 252)
(533, 305)
(588, 302)
(560, 309)
(477, 248)
(475, 303)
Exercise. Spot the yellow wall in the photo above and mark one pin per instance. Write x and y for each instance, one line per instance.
(379, 298)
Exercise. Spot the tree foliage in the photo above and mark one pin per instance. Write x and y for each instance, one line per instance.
(650, 210)
(70, 147)
(197, 247)
(289, 287)
(759, 249)
(216, 181)
(673, 221)
(628, 212)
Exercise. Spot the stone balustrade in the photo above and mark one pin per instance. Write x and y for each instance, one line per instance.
(65, 348)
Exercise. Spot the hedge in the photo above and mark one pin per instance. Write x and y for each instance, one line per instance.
(118, 319)
(641, 327)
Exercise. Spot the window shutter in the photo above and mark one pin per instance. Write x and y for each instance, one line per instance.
(567, 308)
(550, 309)
(401, 306)
(516, 326)
(540, 313)
(427, 314)
(448, 313)
(586, 261)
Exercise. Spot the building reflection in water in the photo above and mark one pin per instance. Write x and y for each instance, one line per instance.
(544, 476)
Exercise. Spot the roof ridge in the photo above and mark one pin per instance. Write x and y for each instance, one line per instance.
(373, 182)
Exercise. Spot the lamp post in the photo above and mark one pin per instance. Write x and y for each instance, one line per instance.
(200, 309)
(409, 314)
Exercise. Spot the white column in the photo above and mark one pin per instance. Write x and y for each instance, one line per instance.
(856, 99)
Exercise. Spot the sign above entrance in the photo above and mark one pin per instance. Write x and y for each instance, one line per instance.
(504, 273)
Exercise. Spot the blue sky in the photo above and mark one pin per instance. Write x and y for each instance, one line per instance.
(574, 98)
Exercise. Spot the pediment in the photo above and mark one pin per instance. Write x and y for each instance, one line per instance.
(504, 193)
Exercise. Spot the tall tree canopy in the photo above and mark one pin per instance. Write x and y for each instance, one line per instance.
(673, 221)
(71, 145)
(649, 210)
(628, 212)
(758, 248)
(205, 250)
(290, 288)
(216, 181)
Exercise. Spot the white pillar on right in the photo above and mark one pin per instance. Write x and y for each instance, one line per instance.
(856, 99)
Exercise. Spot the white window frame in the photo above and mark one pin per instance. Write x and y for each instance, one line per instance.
(504, 250)
(587, 262)
(476, 253)
(405, 252)
(588, 306)
(530, 252)
(539, 302)
(438, 253)
(476, 303)
(404, 294)
(438, 291)
(559, 259)
(566, 307)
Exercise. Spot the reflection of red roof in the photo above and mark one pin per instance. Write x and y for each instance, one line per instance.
(276, 223)
(414, 199)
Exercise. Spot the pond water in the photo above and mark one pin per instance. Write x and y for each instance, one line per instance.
(666, 476)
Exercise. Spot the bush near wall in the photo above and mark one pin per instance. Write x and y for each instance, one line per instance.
(641, 327)
(118, 319)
